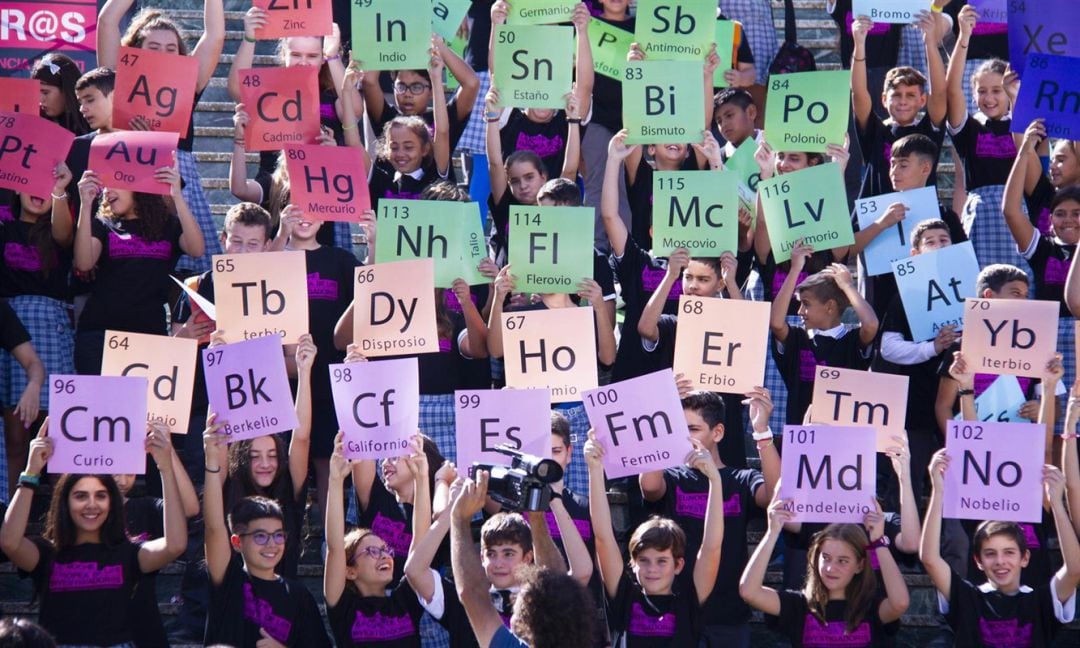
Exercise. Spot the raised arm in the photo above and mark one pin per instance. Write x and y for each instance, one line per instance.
(1070, 461)
(577, 554)
(648, 325)
(496, 170)
(572, 154)
(441, 141)
(760, 405)
(752, 587)
(930, 546)
(605, 326)
(421, 553)
(708, 558)
(907, 540)
(504, 286)
(108, 31)
(584, 73)
(614, 226)
(191, 238)
(87, 249)
(937, 102)
(468, 82)
(212, 41)
(608, 557)
(241, 186)
(861, 101)
(472, 586)
(155, 554)
(1068, 577)
(1012, 203)
(300, 444)
(546, 553)
(958, 107)
(215, 531)
(779, 308)
(1048, 403)
(868, 321)
(475, 343)
(13, 542)
(255, 18)
(897, 599)
(63, 227)
(334, 529)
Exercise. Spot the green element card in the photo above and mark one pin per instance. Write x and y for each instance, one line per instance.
(458, 46)
(663, 101)
(446, 16)
(540, 12)
(746, 170)
(449, 233)
(610, 45)
(725, 49)
(551, 247)
(696, 210)
(806, 111)
(391, 35)
(811, 205)
(675, 31)
(534, 65)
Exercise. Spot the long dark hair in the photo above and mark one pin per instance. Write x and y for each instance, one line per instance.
(241, 481)
(859, 593)
(61, 72)
(153, 210)
(40, 236)
(59, 527)
(148, 20)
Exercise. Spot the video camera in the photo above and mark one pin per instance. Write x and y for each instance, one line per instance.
(523, 486)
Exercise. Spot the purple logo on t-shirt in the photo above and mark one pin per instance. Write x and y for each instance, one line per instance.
(1055, 272)
(453, 304)
(643, 625)
(691, 504)
(319, 288)
(583, 527)
(445, 346)
(1030, 536)
(133, 246)
(392, 533)
(80, 576)
(382, 628)
(401, 195)
(5, 214)
(990, 29)
(1044, 221)
(326, 111)
(833, 633)
(808, 365)
(733, 506)
(262, 614)
(651, 278)
(995, 146)
(542, 145)
(983, 381)
(1005, 633)
(877, 30)
(22, 257)
(778, 280)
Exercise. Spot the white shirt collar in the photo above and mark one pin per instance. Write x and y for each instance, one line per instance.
(988, 587)
(834, 332)
(415, 175)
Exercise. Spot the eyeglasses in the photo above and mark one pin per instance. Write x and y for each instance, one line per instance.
(374, 553)
(261, 538)
(412, 88)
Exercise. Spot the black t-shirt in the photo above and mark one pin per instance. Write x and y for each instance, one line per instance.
(922, 378)
(187, 140)
(330, 272)
(607, 92)
(22, 272)
(454, 619)
(773, 275)
(685, 501)
(1038, 204)
(1039, 568)
(391, 521)
(1050, 261)
(804, 630)
(132, 284)
(86, 591)
(799, 357)
(546, 139)
(639, 194)
(639, 274)
(655, 621)
(385, 182)
(457, 124)
(986, 148)
(242, 604)
(990, 618)
(181, 313)
(144, 520)
(876, 142)
(476, 49)
(12, 331)
(882, 42)
(78, 159)
(377, 621)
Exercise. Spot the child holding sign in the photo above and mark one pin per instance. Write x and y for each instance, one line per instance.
(134, 242)
(34, 281)
(249, 602)
(648, 608)
(904, 96)
(823, 298)
(85, 569)
(265, 467)
(677, 493)
(57, 75)
(153, 30)
(839, 604)
(1060, 171)
(363, 604)
(981, 615)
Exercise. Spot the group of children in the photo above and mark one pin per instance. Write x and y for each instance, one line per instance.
(91, 258)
